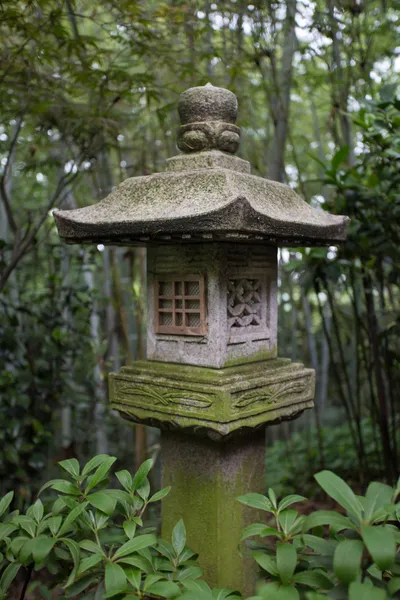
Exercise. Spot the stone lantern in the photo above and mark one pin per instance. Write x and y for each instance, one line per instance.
(212, 380)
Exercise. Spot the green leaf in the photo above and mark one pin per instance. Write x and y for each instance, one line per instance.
(102, 501)
(144, 489)
(80, 586)
(5, 502)
(272, 497)
(165, 549)
(65, 487)
(73, 515)
(41, 547)
(289, 500)
(256, 501)
(76, 556)
(273, 591)
(189, 573)
(267, 562)
(26, 550)
(358, 591)
(141, 473)
(339, 157)
(393, 585)
(90, 546)
(58, 506)
(197, 586)
(134, 577)
(286, 561)
(380, 544)
(378, 495)
(54, 524)
(166, 589)
(320, 545)
(337, 489)
(125, 479)
(89, 562)
(142, 541)
(136, 561)
(150, 579)
(9, 574)
(7, 529)
(94, 463)
(327, 517)
(70, 465)
(100, 473)
(347, 560)
(115, 579)
(17, 543)
(129, 528)
(26, 523)
(259, 529)
(287, 519)
(179, 537)
(160, 495)
(316, 578)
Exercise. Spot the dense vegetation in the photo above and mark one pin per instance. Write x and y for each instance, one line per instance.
(93, 542)
(88, 95)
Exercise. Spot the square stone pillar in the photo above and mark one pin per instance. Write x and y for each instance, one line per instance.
(206, 478)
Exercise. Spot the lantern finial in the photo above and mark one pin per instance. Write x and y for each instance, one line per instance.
(208, 115)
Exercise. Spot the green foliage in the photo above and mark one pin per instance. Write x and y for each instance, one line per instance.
(92, 538)
(290, 464)
(40, 357)
(327, 553)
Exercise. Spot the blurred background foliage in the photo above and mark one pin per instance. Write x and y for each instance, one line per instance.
(88, 96)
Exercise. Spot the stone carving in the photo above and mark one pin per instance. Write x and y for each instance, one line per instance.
(207, 118)
(272, 393)
(212, 402)
(160, 395)
(244, 303)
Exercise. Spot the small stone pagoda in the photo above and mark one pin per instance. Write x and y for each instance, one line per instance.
(212, 380)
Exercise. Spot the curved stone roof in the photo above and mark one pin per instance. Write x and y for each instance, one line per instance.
(205, 195)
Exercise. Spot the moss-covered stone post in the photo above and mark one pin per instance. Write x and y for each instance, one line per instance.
(212, 381)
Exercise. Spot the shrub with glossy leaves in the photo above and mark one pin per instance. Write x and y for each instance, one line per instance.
(93, 540)
(328, 553)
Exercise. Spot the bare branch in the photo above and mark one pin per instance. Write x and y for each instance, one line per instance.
(3, 180)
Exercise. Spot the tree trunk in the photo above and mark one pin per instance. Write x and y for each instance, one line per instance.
(280, 97)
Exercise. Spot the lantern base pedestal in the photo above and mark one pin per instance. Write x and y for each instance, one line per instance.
(216, 403)
(206, 478)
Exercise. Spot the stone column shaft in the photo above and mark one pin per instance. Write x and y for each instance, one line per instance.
(206, 478)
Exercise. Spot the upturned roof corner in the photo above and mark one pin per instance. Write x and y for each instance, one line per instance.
(205, 194)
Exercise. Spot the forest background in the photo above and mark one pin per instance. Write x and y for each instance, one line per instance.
(88, 97)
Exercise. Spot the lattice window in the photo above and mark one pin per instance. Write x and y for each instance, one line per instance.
(180, 306)
(244, 304)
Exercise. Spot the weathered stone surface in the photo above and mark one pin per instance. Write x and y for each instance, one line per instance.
(207, 103)
(212, 402)
(236, 332)
(219, 202)
(206, 479)
(211, 196)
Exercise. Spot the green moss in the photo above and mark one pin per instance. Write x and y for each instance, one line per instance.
(218, 401)
(206, 479)
(252, 358)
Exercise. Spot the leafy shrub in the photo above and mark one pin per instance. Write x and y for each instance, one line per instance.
(357, 560)
(93, 540)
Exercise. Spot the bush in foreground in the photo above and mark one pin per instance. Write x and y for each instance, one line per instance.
(92, 542)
